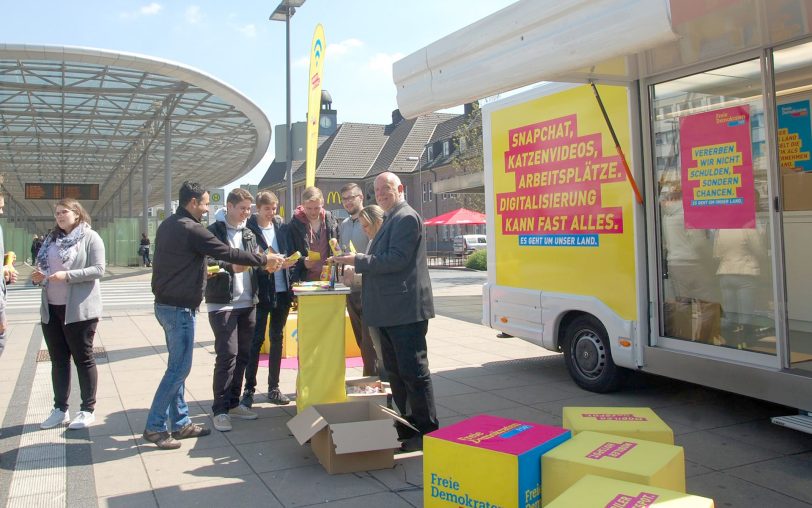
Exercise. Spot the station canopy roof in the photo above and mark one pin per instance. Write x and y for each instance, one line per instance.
(88, 116)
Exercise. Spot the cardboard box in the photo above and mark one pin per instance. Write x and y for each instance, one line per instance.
(621, 458)
(637, 422)
(692, 319)
(373, 389)
(349, 436)
(486, 459)
(598, 492)
(796, 190)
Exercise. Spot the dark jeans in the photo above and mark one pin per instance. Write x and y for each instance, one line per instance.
(74, 340)
(278, 317)
(145, 257)
(361, 332)
(233, 333)
(406, 360)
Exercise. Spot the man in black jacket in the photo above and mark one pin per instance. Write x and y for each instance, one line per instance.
(178, 277)
(275, 298)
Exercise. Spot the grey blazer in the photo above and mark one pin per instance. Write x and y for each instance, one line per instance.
(84, 293)
(396, 288)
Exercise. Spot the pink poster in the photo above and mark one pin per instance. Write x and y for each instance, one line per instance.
(718, 191)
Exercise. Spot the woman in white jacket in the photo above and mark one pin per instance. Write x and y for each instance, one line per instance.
(69, 266)
(739, 252)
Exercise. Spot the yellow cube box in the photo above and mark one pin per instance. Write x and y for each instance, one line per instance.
(622, 458)
(486, 461)
(289, 347)
(599, 492)
(636, 422)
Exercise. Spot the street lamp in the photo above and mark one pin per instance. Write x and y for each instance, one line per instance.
(283, 12)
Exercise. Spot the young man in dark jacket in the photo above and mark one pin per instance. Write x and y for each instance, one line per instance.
(311, 229)
(178, 277)
(275, 298)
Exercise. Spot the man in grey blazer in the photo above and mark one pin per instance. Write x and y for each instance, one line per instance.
(397, 300)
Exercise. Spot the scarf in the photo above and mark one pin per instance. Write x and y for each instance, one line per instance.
(66, 245)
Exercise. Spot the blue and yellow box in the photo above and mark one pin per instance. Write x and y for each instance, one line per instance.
(636, 422)
(622, 458)
(486, 461)
(599, 492)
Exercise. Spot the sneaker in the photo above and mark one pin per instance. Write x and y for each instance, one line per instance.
(83, 419)
(222, 422)
(278, 397)
(247, 399)
(163, 440)
(191, 430)
(57, 417)
(242, 413)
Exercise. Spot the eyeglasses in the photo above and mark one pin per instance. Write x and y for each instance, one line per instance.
(62, 212)
(347, 198)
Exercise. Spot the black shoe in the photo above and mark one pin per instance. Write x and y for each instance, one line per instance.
(277, 397)
(163, 440)
(191, 430)
(413, 444)
(247, 399)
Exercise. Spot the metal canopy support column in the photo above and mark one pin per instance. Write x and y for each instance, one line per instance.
(167, 168)
(145, 195)
(130, 195)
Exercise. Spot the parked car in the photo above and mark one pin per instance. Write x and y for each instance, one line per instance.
(466, 244)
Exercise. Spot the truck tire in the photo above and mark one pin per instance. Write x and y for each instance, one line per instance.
(589, 357)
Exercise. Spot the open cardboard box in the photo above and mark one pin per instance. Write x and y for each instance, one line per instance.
(356, 387)
(349, 436)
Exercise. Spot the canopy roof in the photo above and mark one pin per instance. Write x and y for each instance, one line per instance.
(457, 217)
(73, 115)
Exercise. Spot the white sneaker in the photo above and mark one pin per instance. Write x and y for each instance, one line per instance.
(242, 413)
(83, 419)
(57, 417)
(222, 422)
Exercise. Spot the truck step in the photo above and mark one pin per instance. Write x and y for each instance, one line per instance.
(802, 422)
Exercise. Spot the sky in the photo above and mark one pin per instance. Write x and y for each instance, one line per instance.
(236, 43)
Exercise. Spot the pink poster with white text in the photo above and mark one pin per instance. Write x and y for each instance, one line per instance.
(718, 190)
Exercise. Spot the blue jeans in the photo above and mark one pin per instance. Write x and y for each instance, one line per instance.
(179, 328)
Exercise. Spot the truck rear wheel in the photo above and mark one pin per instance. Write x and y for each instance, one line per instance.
(588, 356)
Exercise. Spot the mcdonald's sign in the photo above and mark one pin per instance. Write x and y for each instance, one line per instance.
(334, 197)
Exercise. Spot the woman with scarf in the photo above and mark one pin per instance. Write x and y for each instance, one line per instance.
(68, 267)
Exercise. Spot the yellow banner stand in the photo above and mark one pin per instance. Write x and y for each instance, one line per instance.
(321, 347)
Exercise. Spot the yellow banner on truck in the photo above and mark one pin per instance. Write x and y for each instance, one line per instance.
(563, 210)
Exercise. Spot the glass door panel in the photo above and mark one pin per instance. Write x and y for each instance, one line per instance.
(793, 87)
(711, 168)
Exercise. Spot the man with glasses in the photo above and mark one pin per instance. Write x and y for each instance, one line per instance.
(351, 232)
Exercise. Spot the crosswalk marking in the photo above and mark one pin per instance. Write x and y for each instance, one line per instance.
(114, 294)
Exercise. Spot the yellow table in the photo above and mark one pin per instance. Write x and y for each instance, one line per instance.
(320, 378)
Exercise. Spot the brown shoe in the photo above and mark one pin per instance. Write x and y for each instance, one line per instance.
(191, 430)
(162, 440)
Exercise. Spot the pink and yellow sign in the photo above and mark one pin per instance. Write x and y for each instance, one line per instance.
(562, 207)
(487, 461)
(718, 189)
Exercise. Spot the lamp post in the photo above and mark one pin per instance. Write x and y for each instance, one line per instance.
(283, 12)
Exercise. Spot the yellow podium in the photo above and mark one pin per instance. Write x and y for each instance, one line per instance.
(291, 331)
(598, 492)
(637, 422)
(618, 457)
(321, 332)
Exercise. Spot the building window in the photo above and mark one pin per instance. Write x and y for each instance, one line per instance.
(426, 192)
(446, 147)
(431, 153)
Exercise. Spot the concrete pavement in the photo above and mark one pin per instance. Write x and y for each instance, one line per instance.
(734, 454)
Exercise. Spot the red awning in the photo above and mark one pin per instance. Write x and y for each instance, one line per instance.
(457, 217)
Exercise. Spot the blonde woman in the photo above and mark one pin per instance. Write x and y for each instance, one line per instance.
(68, 267)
